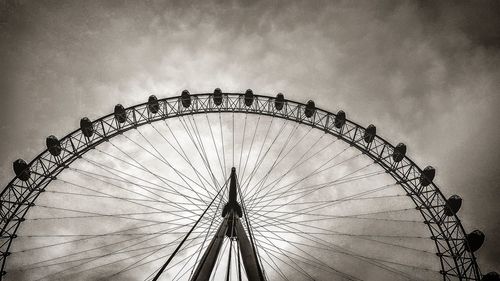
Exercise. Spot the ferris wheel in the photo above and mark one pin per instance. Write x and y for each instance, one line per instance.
(230, 186)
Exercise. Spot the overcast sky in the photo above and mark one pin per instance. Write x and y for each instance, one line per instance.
(425, 74)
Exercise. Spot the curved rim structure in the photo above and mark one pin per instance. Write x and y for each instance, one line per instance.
(447, 232)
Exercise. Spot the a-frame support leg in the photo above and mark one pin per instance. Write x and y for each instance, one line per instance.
(207, 262)
(250, 261)
(249, 256)
(231, 226)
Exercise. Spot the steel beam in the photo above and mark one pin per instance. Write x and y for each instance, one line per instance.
(207, 262)
(249, 256)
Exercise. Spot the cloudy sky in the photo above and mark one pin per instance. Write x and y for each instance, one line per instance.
(427, 74)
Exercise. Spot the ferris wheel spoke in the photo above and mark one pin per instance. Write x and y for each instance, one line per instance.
(258, 162)
(263, 142)
(162, 158)
(134, 201)
(297, 267)
(164, 200)
(154, 235)
(242, 174)
(99, 257)
(126, 199)
(320, 217)
(162, 188)
(242, 143)
(311, 260)
(309, 189)
(270, 221)
(292, 185)
(46, 263)
(270, 253)
(260, 183)
(353, 197)
(184, 152)
(299, 162)
(183, 155)
(298, 258)
(380, 262)
(322, 167)
(138, 264)
(86, 237)
(365, 237)
(337, 248)
(222, 166)
(323, 204)
(115, 172)
(223, 145)
(277, 192)
(168, 188)
(290, 169)
(273, 266)
(138, 258)
(200, 147)
(89, 214)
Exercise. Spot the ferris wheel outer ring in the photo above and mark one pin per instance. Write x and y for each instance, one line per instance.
(378, 149)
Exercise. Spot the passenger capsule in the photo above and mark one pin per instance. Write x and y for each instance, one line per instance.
(310, 109)
(427, 175)
(153, 105)
(453, 204)
(491, 276)
(340, 119)
(86, 127)
(53, 145)
(120, 113)
(370, 133)
(186, 99)
(279, 101)
(248, 97)
(475, 240)
(399, 152)
(21, 169)
(217, 96)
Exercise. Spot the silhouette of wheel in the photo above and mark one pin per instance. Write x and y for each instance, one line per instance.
(322, 198)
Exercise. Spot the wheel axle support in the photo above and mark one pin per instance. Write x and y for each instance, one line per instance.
(231, 227)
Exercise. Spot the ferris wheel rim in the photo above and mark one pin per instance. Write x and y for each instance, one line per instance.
(470, 272)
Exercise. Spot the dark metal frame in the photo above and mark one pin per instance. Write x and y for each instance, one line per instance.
(447, 232)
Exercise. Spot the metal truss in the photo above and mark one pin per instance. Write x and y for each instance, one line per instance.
(457, 263)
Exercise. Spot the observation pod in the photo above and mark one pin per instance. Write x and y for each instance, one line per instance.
(153, 105)
(310, 109)
(279, 101)
(120, 113)
(453, 204)
(370, 133)
(53, 145)
(86, 127)
(217, 96)
(340, 119)
(21, 169)
(186, 99)
(491, 276)
(427, 175)
(248, 97)
(399, 152)
(475, 240)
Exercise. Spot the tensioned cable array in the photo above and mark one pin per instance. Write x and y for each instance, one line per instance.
(318, 198)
